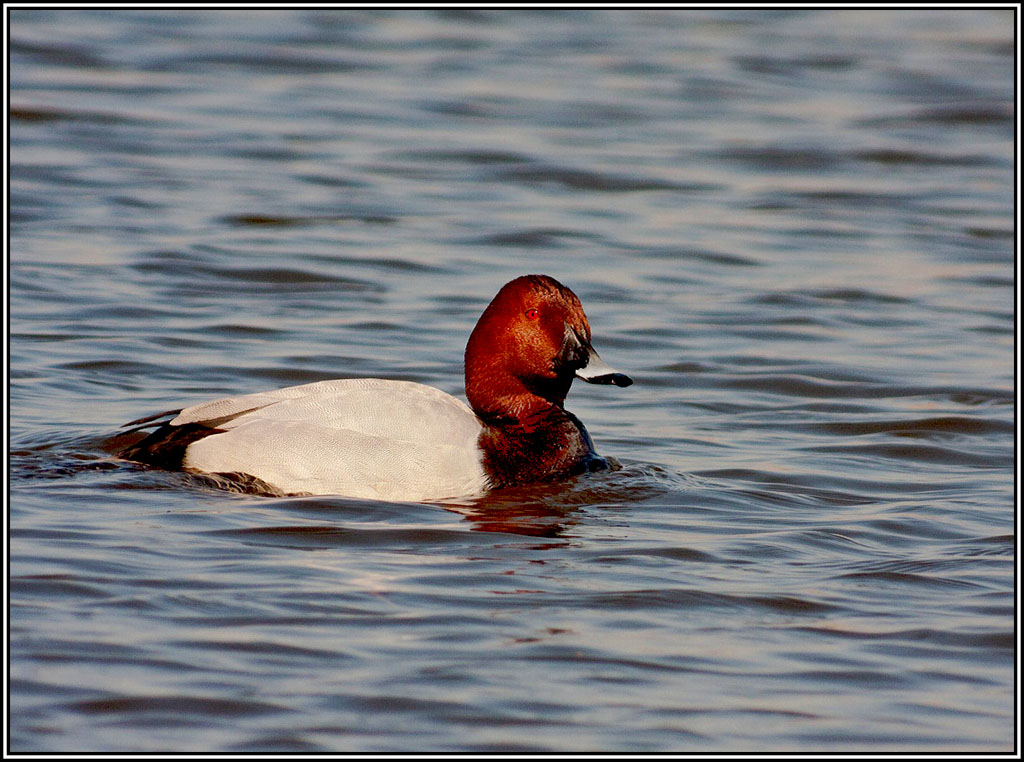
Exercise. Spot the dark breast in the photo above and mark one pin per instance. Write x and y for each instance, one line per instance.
(520, 453)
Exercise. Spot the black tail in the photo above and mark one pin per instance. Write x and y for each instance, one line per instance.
(166, 446)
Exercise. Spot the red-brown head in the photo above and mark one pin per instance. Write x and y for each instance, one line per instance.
(527, 347)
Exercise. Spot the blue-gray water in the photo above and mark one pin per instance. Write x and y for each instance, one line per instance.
(794, 229)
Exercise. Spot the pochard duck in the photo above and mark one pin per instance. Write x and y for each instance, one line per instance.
(404, 441)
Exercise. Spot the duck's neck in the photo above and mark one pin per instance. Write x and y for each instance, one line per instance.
(516, 404)
(528, 434)
(494, 393)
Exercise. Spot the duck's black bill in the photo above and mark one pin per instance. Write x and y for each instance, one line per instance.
(616, 379)
(597, 371)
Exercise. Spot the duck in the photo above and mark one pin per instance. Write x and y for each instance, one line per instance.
(399, 441)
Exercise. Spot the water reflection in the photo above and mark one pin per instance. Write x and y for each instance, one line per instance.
(514, 513)
(552, 510)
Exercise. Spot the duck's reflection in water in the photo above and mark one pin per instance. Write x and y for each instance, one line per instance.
(552, 510)
(517, 515)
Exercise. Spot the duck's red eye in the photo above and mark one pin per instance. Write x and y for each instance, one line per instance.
(532, 314)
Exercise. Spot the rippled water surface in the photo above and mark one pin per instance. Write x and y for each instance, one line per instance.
(794, 229)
